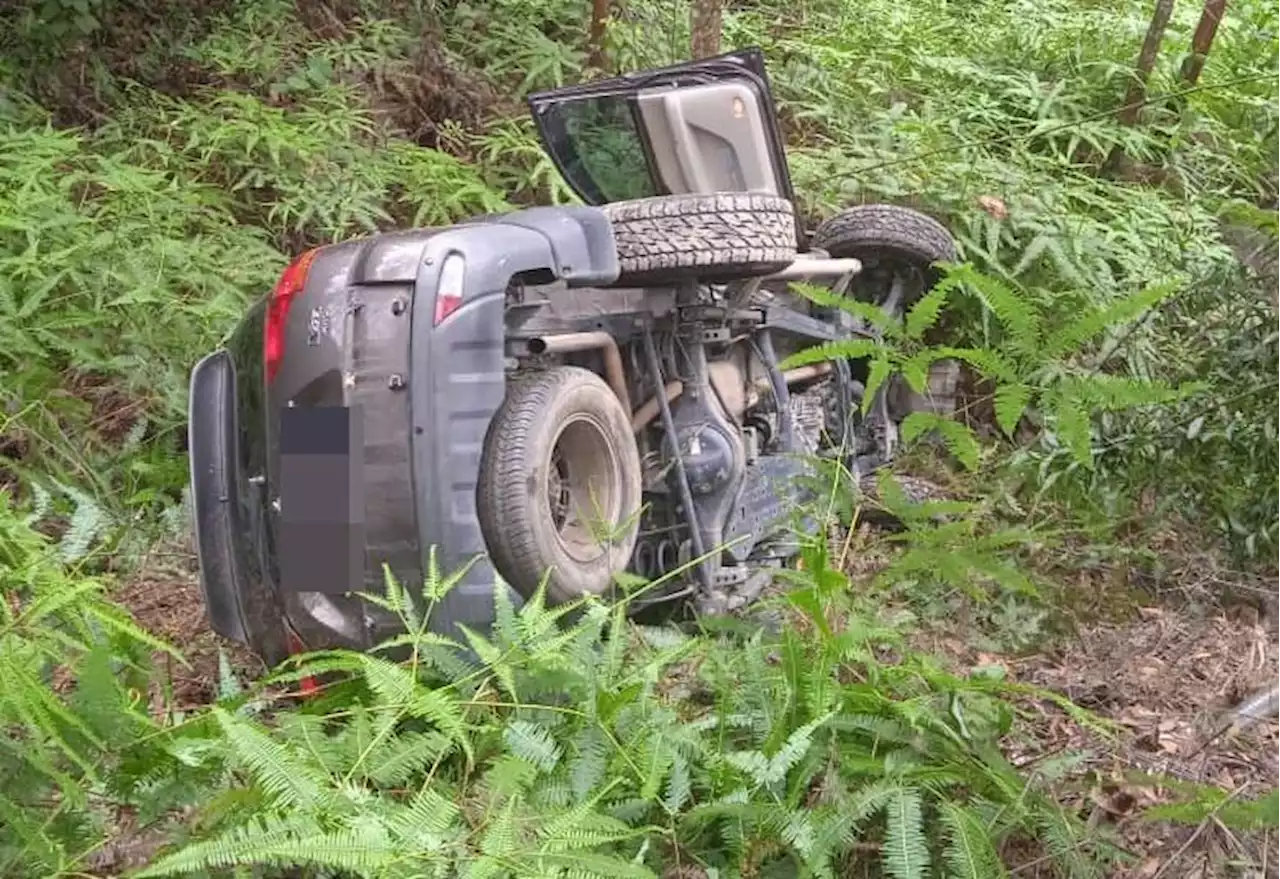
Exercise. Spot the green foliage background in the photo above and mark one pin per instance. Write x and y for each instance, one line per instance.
(160, 161)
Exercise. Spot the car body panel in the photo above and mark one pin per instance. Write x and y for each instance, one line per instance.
(361, 334)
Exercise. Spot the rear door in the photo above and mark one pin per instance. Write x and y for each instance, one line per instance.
(703, 126)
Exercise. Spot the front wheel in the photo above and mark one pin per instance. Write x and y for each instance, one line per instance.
(899, 249)
(560, 485)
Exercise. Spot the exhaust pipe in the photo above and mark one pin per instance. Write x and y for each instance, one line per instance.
(567, 343)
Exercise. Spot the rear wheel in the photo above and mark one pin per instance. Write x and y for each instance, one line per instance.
(559, 493)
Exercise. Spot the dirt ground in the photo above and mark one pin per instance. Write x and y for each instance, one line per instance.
(165, 598)
(1169, 680)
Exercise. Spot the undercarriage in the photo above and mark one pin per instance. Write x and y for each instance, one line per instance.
(726, 440)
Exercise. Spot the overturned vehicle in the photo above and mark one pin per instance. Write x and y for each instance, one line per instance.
(566, 393)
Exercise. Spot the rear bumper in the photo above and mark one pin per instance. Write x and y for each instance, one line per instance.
(240, 604)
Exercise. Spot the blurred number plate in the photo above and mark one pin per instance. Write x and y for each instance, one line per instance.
(321, 547)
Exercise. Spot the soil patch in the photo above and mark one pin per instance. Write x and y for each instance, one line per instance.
(165, 597)
(1169, 679)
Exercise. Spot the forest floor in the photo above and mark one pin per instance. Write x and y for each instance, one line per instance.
(1170, 677)
(1164, 674)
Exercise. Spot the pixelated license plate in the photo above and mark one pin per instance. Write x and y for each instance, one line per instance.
(321, 533)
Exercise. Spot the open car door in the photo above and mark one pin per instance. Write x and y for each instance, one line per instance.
(700, 127)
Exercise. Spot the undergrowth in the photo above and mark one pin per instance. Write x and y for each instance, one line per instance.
(569, 742)
(160, 163)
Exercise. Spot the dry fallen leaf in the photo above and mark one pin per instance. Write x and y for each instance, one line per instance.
(1147, 868)
(993, 206)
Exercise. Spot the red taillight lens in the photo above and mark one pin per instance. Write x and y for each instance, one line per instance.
(307, 685)
(449, 289)
(289, 285)
(446, 304)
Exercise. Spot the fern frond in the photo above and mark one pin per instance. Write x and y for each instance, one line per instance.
(1011, 308)
(277, 768)
(846, 349)
(589, 865)
(428, 816)
(404, 756)
(1073, 427)
(582, 827)
(1067, 841)
(1117, 313)
(873, 314)
(906, 852)
(679, 785)
(924, 314)
(958, 437)
(877, 375)
(989, 362)
(969, 852)
(1011, 401)
(591, 757)
(398, 688)
(285, 844)
(494, 658)
(532, 743)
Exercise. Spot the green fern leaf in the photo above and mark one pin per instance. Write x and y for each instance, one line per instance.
(589, 865)
(277, 769)
(502, 837)
(1068, 842)
(990, 363)
(876, 376)
(873, 314)
(1010, 402)
(846, 349)
(1122, 311)
(589, 764)
(1011, 308)
(532, 743)
(969, 852)
(404, 756)
(958, 437)
(906, 852)
(494, 658)
(924, 314)
(1074, 428)
(362, 850)
(398, 689)
(581, 827)
(679, 785)
(428, 818)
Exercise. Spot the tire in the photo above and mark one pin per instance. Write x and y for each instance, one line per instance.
(561, 427)
(717, 236)
(880, 232)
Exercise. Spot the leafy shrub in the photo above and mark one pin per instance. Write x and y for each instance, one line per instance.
(75, 722)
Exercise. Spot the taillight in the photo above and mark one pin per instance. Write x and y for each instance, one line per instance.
(449, 290)
(307, 685)
(289, 285)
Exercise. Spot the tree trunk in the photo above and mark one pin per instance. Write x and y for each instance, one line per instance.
(1202, 39)
(705, 24)
(596, 56)
(1146, 61)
